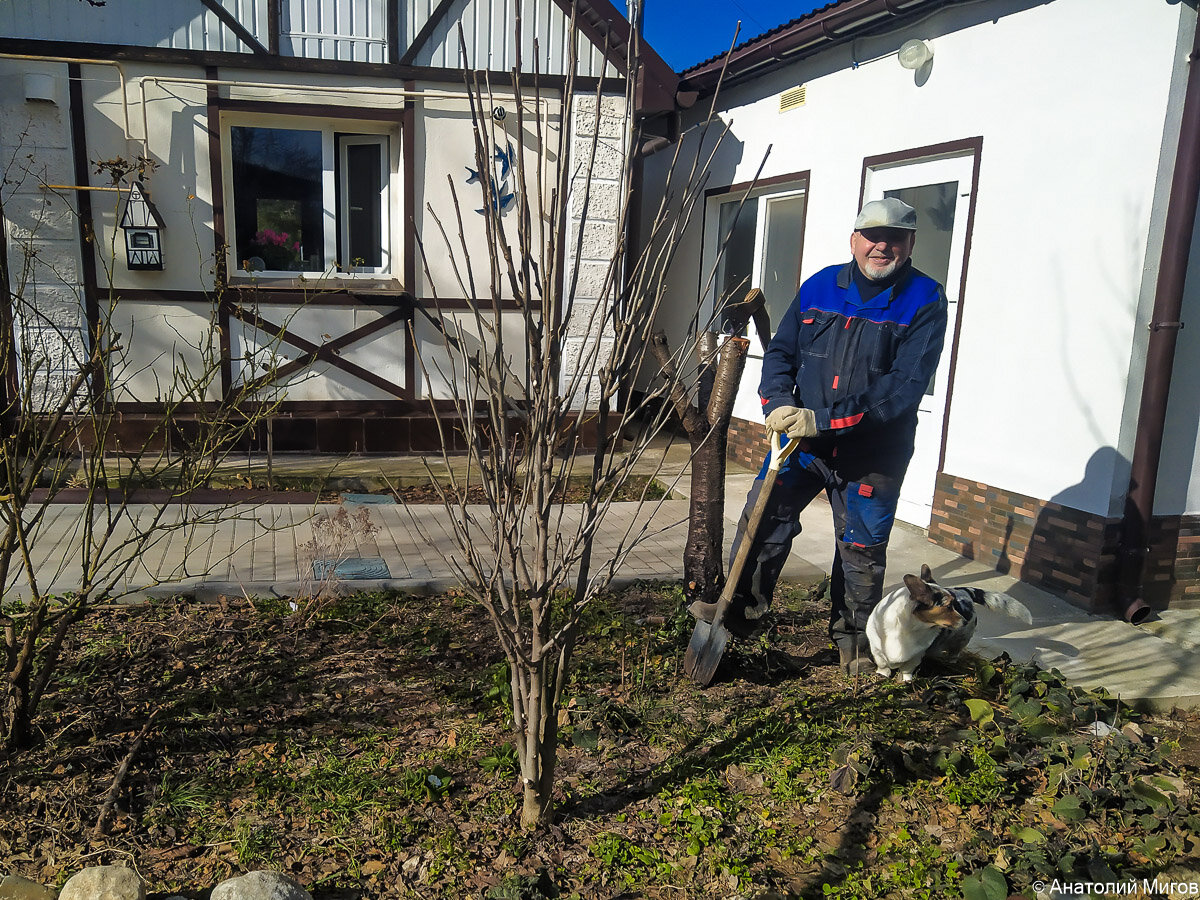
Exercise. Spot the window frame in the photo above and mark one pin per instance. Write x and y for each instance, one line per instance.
(334, 132)
(344, 142)
(765, 191)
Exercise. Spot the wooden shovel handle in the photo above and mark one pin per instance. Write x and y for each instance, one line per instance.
(779, 453)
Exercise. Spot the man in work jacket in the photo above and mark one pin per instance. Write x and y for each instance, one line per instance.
(844, 374)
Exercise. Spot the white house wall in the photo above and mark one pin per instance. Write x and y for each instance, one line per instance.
(174, 116)
(160, 111)
(445, 143)
(441, 374)
(159, 340)
(446, 271)
(382, 353)
(41, 227)
(170, 24)
(492, 42)
(335, 29)
(1070, 99)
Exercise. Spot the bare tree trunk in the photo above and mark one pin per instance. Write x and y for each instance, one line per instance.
(527, 398)
(703, 569)
(537, 769)
(55, 406)
(707, 427)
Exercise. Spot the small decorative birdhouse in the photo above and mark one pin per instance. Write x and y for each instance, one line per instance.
(143, 230)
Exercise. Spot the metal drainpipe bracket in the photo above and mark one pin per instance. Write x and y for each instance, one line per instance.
(1166, 326)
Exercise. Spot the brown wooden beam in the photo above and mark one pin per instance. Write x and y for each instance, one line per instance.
(327, 352)
(320, 110)
(273, 26)
(257, 61)
(243, 34)
(408, 161)
(393, 32)
(431, 24)
(83, 206)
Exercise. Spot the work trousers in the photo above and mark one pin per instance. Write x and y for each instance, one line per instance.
(863, 491)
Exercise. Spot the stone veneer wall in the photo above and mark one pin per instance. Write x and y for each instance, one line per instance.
(1062, 550)
(595, 232)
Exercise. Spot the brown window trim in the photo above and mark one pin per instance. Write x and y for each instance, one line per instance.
(799, 180)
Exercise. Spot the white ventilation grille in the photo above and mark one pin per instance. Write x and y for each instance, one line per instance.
(792, 99)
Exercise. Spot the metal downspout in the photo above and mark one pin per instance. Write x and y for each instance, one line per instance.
(633, 224)
(1160, 352)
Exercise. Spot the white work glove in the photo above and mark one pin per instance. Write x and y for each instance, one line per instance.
(793, 421)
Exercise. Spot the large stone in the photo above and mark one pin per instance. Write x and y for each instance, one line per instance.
(104, 883)
(14, 887)
(1179, 882)
(261, 885)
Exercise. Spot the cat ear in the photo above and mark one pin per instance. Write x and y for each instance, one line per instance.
(926, 574)
(919, 590)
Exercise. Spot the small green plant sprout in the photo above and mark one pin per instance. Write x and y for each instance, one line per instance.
(501, 761)
(981, 711)
(988, 883)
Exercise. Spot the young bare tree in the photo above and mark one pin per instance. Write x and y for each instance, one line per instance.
(705, 420)
(61, 375)
(538, 374)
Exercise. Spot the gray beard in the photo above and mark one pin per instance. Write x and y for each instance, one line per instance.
(881, 274)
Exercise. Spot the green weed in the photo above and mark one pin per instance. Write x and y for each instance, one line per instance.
(629, 863)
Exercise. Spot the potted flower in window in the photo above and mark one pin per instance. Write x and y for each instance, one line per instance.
(277, 249)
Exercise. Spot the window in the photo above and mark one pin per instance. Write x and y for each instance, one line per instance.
(311, 199)
(763, 235)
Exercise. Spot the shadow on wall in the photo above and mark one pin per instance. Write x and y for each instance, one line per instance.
(1058, 546)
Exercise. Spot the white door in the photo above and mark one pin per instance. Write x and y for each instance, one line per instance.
(940, 190)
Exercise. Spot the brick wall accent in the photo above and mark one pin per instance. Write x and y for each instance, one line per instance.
(401, 435)
(748, 444)
(1185, 592)
(1065, 551)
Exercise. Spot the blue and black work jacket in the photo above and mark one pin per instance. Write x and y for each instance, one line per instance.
(862, 366)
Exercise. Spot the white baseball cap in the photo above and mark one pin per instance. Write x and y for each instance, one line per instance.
(887, 213)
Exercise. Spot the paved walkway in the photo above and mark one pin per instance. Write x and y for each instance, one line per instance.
(270, 549)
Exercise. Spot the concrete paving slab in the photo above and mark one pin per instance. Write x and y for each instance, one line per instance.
(267, 550)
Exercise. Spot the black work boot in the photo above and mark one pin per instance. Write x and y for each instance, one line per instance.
(736, 620)
(854, 652)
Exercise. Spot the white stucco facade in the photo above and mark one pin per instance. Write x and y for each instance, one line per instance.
(1075, 105)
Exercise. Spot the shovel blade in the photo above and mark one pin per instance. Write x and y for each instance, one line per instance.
(704, 652)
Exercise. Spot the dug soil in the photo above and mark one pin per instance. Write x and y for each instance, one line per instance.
(362, 746)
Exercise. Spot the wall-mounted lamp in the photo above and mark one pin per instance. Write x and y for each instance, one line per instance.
(143, 230)
(914, 54)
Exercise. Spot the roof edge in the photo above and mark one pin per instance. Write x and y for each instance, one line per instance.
(819, 29)
(602, 22)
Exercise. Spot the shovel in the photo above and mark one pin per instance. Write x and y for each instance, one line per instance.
(707, 646)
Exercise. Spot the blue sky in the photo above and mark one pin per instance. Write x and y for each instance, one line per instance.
(685, 32)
